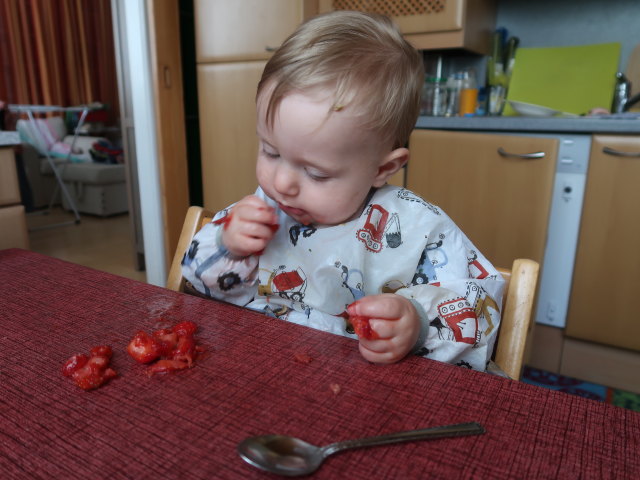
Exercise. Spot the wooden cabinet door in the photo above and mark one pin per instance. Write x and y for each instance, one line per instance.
(500, 201)
(229, 146)
(418, 16)
(164, 29)
(433, 24)
(245, 29)
(606, 280)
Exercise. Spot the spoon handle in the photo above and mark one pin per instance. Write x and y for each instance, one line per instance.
(457, 430)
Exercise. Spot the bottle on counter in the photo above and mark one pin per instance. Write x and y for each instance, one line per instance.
(468, 94)
(454, 85)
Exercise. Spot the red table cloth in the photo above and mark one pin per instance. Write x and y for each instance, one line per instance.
(249, 382)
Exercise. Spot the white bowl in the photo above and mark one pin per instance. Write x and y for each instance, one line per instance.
(531, 110)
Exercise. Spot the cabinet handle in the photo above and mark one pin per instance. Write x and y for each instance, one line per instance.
(270, 49)
(618, 153)
(524, 156)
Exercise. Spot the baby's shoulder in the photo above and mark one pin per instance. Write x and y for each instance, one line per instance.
(401, 200)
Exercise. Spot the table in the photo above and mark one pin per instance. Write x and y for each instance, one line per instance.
(187, 424)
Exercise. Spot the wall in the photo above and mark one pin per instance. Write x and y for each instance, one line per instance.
(559, 23)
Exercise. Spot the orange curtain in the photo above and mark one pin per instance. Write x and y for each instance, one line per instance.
(58, 52)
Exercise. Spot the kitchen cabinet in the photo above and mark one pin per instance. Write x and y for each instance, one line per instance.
(607, 270)
(433, 24)
(228, 131)
(13, 223)
(497, 188)
(233, 42)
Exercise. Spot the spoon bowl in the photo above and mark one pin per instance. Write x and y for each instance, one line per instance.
(290, 456)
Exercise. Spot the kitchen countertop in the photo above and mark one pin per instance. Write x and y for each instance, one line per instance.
(585, 125)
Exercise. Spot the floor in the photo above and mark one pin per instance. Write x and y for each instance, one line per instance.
(574, 386)
(102, 243)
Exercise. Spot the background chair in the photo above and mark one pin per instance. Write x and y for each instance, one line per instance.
(517, 303)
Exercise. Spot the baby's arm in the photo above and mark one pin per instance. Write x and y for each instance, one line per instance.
(221, 261)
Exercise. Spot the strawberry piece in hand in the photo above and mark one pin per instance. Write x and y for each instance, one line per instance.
(363, 328)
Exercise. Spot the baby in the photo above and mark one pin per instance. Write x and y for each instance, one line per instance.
(325, 240)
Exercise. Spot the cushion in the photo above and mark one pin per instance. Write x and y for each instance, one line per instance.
(47, 135)
(93, 173)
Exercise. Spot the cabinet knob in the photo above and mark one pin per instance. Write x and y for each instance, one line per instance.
(525, 156)
(618, 153)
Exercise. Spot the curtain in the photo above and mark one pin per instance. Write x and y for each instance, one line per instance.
(58, 52)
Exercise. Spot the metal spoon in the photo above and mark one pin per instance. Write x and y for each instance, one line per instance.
(291, 456)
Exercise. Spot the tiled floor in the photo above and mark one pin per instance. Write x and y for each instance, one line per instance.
(102, 243)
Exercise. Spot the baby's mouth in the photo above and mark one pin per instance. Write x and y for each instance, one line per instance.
(292, 211)
(297, 214)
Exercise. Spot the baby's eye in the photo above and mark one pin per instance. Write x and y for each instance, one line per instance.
(316, 176)
(270, 153)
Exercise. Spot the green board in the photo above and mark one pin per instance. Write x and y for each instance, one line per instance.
(568, 79)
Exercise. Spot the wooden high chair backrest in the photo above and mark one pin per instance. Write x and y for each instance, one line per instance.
(517, 304)
(517, 311)
(195, 219)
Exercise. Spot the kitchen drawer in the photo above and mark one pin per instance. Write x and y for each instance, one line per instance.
(433, 24)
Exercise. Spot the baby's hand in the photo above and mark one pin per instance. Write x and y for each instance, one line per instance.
(251, 226)
(394, 319)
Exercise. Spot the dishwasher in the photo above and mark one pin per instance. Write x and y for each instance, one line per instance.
(563, 228)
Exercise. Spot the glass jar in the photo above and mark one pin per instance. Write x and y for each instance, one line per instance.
(434, 97)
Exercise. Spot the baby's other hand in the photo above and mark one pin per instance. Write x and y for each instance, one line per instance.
(394, 319)
(251, 226)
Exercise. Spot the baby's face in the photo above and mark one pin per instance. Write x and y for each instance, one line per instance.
(318, 168)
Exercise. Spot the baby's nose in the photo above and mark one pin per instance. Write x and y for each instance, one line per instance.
(286, 181)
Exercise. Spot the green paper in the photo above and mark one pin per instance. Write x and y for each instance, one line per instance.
(568, 79)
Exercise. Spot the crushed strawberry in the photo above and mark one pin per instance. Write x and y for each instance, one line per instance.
(302, 357)
(89, 372)
(174, 348)
(144, 348)
(165, 366)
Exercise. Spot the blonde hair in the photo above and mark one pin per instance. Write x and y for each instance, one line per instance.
(364, 58)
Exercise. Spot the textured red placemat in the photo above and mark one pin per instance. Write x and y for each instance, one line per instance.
(187, 424)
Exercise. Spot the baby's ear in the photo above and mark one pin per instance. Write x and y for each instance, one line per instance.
(390, 164)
